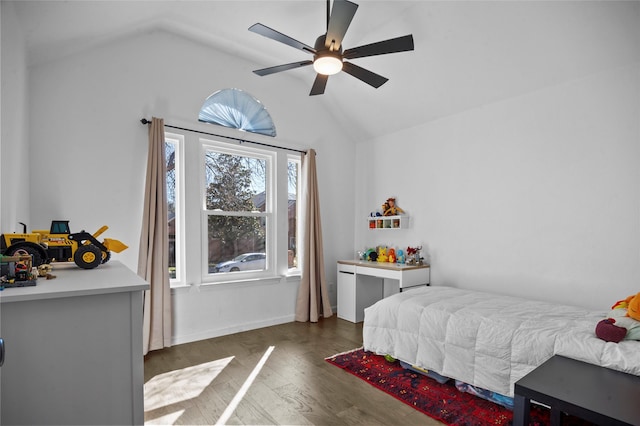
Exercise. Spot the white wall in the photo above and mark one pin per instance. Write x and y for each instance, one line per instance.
(534, 195)
(537, 195)
(90, 149)
(14, 152)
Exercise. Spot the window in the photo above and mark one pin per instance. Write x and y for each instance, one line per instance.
(233, 211)
(238, 208)
(173, 146)
(293, 177)
(237, 109)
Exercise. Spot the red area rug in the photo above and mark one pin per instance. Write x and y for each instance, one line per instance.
(443, 402)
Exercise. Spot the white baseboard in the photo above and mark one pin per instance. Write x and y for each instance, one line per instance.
(209, 334)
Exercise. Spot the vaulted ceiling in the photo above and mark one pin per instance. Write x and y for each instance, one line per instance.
(467, 53)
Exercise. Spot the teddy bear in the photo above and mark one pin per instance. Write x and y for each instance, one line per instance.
(623, 321)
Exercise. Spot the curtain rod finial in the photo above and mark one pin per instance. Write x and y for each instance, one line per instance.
(145, 121)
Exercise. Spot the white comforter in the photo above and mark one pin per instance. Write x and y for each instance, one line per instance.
(488, 340)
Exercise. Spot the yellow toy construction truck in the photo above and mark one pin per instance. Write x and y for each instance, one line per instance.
(59, 245)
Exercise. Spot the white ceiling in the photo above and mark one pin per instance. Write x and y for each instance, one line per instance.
(467, 54)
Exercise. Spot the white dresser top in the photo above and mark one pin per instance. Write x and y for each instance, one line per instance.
(71, 281)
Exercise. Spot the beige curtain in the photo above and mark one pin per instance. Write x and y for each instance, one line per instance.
(313, 297)
(153, 258)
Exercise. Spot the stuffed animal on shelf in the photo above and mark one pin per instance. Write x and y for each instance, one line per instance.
(385, 207)
(390, 208)
(370, 254)
(392, 255)
(623, 321)
(382, 254)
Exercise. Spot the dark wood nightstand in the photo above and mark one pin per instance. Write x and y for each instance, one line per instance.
(597, 394)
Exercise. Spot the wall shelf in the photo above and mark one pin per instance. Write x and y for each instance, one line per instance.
(388, 222)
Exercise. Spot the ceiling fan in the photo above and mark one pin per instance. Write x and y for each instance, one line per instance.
(328, 56)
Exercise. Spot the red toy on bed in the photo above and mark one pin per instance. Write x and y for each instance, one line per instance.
(623, 321)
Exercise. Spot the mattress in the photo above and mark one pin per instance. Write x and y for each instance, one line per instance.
(488, 340)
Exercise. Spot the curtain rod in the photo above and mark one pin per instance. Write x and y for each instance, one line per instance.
(145, 121)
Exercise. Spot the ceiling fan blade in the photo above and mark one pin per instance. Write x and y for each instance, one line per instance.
(399, 44)
(278, 36)
(319, 84)
(272, 70)
(367, 76)
(341, 16)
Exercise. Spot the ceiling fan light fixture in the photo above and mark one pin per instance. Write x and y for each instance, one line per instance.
(327, 64)
(328, 55)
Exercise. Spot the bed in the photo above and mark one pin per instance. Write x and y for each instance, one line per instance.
(486, 340)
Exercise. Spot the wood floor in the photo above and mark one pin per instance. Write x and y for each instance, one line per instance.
(198, 383)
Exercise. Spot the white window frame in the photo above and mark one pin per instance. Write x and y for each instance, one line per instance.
(296, 270)
(178, 141)
(191, 216)
(207, 144)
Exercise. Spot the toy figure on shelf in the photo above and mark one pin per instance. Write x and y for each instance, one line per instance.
(385, 207)
(382, 254)
(389, 208)
(368, 253)
(400, 257)
(17, 270)
(413, 255)
(392, 255)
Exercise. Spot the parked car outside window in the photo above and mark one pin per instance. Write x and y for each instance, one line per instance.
(243, 262)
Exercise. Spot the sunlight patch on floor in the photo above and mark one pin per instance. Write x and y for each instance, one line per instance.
(245, 387)
(167, 419)
(181, 385)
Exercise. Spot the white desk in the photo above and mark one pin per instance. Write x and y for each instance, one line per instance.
(362, 283)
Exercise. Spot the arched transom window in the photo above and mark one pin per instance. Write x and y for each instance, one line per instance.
(237, 109)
